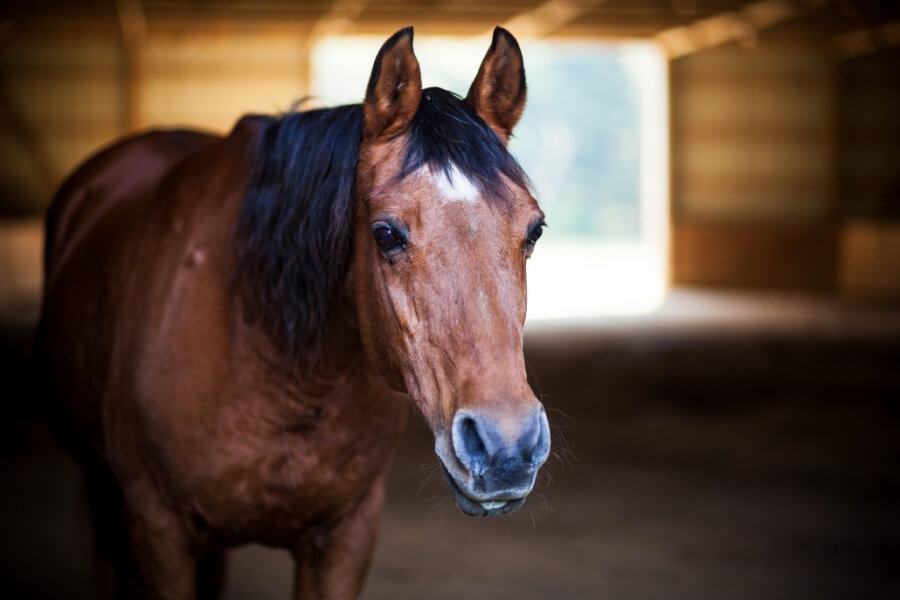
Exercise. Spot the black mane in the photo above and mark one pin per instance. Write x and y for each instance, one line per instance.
(294, 232)
(446, 132)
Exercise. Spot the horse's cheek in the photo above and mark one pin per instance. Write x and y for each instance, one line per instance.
(378, 339)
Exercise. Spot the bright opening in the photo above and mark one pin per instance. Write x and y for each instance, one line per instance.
(593, 139)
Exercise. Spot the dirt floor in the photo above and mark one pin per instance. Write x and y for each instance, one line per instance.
(727, 447)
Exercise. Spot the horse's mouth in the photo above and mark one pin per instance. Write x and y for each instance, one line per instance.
(480, 508)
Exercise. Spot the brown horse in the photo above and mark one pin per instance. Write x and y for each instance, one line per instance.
(231, 326)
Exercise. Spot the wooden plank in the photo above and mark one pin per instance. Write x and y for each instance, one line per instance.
(757, 256)
(870, 259)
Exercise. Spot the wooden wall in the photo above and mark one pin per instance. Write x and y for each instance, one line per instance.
(869, 165)
(66, 93)
(753, 167)
(208, 79)
(786, 164)
(59, 101)
(869, 175)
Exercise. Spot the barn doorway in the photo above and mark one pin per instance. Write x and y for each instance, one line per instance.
(594, 139)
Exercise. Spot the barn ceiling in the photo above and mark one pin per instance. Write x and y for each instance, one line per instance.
(641, 18)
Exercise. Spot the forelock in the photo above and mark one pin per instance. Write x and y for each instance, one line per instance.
(447, 137)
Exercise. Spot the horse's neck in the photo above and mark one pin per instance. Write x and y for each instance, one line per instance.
(313, 375)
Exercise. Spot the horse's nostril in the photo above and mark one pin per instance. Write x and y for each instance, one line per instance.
(474, 454)
(530, 440)
(481, 447)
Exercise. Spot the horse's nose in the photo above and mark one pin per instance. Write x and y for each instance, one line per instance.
(503, 450)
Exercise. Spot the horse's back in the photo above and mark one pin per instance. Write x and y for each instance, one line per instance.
(127, 172)
(92, 228)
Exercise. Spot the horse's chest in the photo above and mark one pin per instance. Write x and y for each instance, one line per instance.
(276, 481)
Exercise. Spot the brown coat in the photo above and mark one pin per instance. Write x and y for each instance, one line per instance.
(197, 427)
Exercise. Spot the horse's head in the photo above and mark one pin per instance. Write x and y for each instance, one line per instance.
(444, 225)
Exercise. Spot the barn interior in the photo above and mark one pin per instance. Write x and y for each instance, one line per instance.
(714, 324)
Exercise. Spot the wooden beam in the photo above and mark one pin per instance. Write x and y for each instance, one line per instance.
(742, 26)
(863, 42)
(549, 16)
(340, 19)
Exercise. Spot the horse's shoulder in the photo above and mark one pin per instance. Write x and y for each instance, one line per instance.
(216, 171)
(121, 173)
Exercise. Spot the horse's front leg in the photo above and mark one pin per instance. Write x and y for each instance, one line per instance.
(161, 548)
(333, 566)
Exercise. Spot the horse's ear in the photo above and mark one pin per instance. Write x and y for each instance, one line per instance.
(395, 87)
(498, 92)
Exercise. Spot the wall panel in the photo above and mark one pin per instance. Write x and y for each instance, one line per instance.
(753, 157)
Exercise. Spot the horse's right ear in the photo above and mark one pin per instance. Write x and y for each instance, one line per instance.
(395, 88)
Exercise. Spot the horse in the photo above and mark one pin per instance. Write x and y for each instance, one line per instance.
(233, 327)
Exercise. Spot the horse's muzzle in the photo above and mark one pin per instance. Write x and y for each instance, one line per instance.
(491, 465)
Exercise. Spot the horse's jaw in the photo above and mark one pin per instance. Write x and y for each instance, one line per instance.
(464, 487)
(475, 508)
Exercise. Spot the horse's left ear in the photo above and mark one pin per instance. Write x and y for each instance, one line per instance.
(498, 92)
(395, 87)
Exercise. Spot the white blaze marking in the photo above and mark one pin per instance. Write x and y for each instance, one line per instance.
(455, 187)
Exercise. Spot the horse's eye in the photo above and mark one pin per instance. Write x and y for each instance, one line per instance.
(534, 234)
(388, 238)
